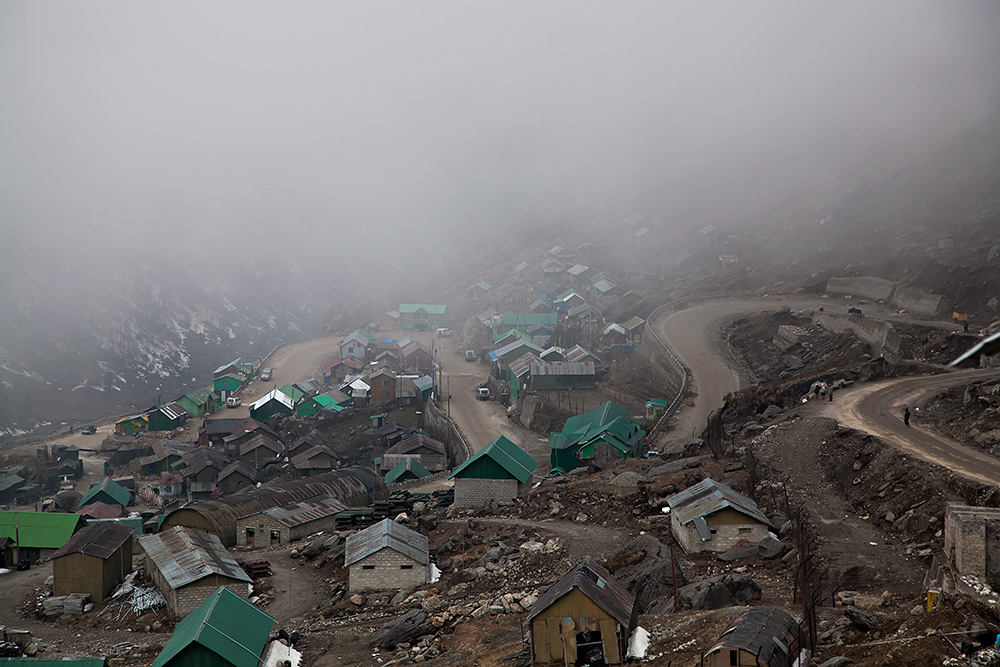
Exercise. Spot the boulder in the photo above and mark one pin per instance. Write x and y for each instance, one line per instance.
(411, 625)
(727, 590)
(770, 412)
(770, 547)
(863, 620)
(737, 553)
(651, 577)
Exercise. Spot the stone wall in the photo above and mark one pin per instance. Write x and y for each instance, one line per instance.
(724, 536)
(865, 287)
(972, 541)
(880, 335)
(474, 492)
(183, 601)
(386, 570)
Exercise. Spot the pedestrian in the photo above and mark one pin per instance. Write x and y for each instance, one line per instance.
(965, 326)
(829, 393)
(906, 416)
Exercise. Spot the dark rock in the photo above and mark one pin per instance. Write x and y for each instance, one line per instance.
(403, 629)
(426, 523)
(770, 412)
(838, 661)
(315, 548)
(737, 553)
(444, 565)
(733, 467)
(914, 522)
(728, 590)
(863, 620)
(491, 556)
(770, 548)
(652, 577)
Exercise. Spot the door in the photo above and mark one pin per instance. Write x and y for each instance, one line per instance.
(275, 537)
(251, 535)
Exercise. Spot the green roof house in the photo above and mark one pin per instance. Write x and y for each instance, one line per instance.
(166, 417)
(292, 392)
(34, 532)
(108, 491)
(478, 290)
(405, 470)
(496, 472)
(421, 316)
(606, 432)
(225, 385)
(223, 631)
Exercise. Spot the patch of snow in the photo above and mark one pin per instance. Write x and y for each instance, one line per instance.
(638, 643)
(435, 574)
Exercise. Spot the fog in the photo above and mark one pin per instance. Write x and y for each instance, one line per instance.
(376, 123)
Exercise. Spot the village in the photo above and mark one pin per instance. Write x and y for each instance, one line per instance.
(512, 476)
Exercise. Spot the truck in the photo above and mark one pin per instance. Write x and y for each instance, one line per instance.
(470, 355)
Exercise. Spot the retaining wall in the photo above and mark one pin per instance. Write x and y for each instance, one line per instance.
(917, 301)
(880, 335)
(865, 287)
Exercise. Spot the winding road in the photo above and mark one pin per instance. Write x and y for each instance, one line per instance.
(693, 335)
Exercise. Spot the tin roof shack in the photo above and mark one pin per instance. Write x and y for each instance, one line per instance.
(421, 316)
(604, 433)
(710, 516)
(386, 556)
(281, 525)
(93, 561)
(259, 449)
(584, 618)
(496, 472)
(223, 631)
(188, 565)
(36, 533)
(235, 477)
(109, 492)
(215, 431)
(311, 439)
(407, 469)
(315, 460)
(200, 469)
(561, 374)
(431, 453)
(274, 402)
(762, 637)
(166, 417)
(355, 486)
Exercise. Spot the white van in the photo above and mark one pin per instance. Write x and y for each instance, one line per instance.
(233, 402)
(483, 393)
(443, 332)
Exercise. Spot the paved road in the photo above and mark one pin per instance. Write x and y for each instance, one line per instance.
(876, 408)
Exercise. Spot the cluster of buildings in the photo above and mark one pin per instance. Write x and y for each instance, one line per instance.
(377, 371)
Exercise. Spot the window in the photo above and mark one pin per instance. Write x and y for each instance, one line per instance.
(405, 567)
(744, 531)
(367, 567)
(713, 531)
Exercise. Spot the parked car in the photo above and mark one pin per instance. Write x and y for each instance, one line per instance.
(88, 429)
(470, 355)
(265, 374)
(482, 393)
(233, 402)
(443, 332)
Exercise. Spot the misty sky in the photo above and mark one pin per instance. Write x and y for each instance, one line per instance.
(254, 120)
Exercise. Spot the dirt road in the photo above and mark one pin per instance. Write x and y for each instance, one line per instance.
(875, 408)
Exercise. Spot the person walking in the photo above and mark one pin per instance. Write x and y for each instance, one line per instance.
(906, 416)
(829, 393)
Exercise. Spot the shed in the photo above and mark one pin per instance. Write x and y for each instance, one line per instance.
(235, 477)
(584, 618)
(407, 469)
(37, 533)
(600, 434)
(386, 556)
(761, 636)
(432, 454)
(710, 516)
(223, 631)
(226, 385)
(562, 374)
(132, 425)
(108, 491)
(281, 525)
(655, 407)
(315, 460)
(188, 565)
(94, 561)
(275, 402)
(496, 472)
(166, 417)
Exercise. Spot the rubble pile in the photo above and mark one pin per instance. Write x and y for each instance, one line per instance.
(72, 604)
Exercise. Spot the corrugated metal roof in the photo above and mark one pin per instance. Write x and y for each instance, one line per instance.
(562, 368)
(258, 441)
(416, 441)
(423, 383)
(604, 285)
(386, 533)
(296, 514)
(633, 219)
(596, 583)
(197, 460)
(507, 455)
(184, 555)
(408, 464)
(226, 625)
(577, 269)
(99, 510)
(707, 497)
(275, 395)
(112, 489)
(522, 365)
(42, 530)
(769, 633)
(617, 328)
(238, 467)
(433, 309)
(235, 363)
(100, 540)
(576, 353)
(303, 461)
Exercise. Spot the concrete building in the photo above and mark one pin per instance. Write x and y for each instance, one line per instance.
(710, 516)
(761, 637)
(386, 556)
(93, 561)
(496, 472)
(584, 618)
(281, 525)
(972, 541)
(188, 566)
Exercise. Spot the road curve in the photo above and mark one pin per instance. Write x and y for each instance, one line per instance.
(876, 408)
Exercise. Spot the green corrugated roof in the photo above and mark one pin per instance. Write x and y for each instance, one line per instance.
(483, 285)
(225, 624)
(609, 421)
(111, 489)
(507, 455)
(632, 323)
(40, 530)
(409, 463)
(523, 319)
(57, 662)
(434, 309)
(292, 392)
